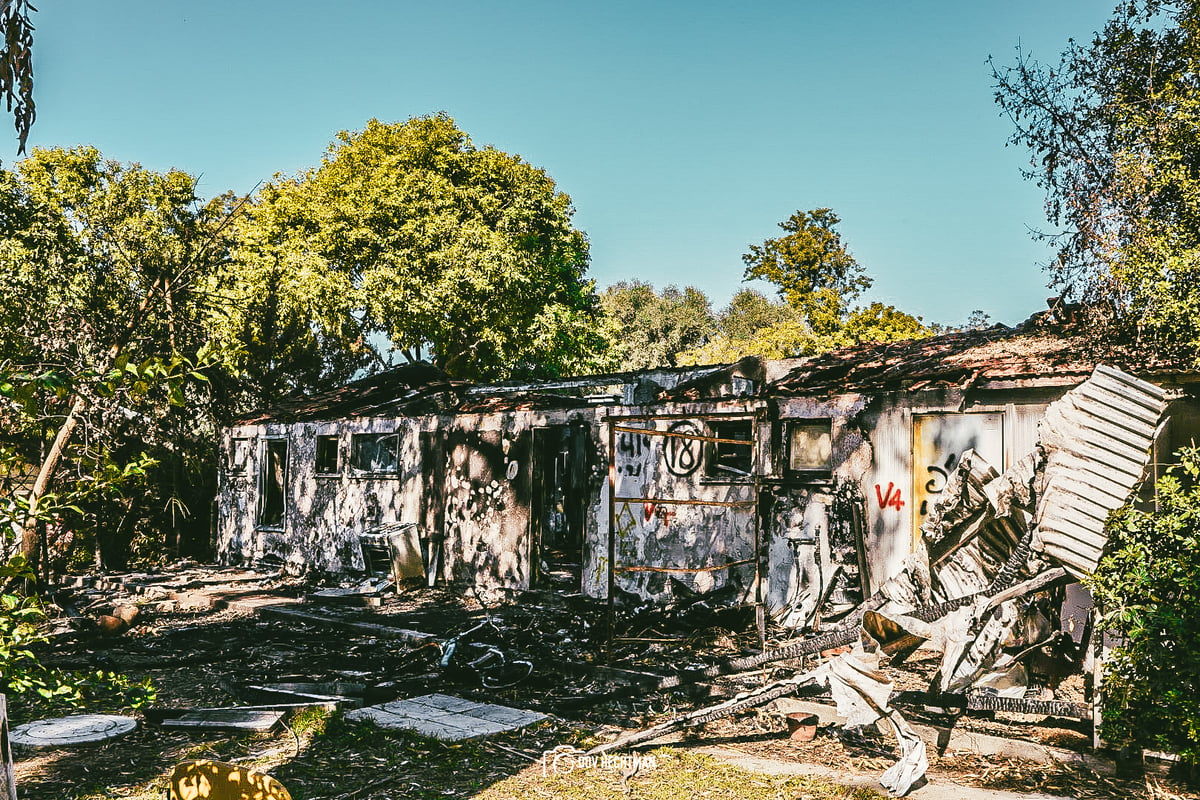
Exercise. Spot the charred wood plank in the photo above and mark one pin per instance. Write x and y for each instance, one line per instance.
(984, 701)
(329, 620)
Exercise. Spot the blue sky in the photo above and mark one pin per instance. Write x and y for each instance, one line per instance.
(682, 131)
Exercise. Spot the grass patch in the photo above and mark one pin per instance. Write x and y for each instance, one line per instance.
(332, 758)
(663, 773)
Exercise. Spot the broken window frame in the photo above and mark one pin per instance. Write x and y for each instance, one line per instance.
(719, 457)
(824, 427)
(374, 466)
(328, 445)
(272, 502)
(240, 448)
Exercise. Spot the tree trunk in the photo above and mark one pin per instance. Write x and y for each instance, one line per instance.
(29, 537)
(30, 540)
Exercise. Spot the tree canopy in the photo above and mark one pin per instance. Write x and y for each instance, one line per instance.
(16, 65)
(650, 329)
(814, 271)
(754, 324)
(817, 280)
(1113, 130)
(408, 238)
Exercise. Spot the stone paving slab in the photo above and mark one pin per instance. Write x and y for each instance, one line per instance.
(445, 717)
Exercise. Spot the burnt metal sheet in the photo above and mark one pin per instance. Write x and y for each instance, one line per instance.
(972, 568)
(968, 543)
(1097, 439)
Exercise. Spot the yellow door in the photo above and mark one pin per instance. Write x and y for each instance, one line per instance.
(939, 440)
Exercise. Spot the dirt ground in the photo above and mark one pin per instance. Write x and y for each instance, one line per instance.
(210, 658)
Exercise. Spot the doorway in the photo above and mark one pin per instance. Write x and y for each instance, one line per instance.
(558, 505)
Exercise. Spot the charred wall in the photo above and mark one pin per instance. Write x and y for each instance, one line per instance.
(465, 481)
(662, 548)
(322, 511)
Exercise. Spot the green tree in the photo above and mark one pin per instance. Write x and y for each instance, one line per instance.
(649, 329)
(817, 280)
(978, 320)
(882, 323)
(1113, 130)
(409, 239)
(100, 328)
(749, 311)
(814, 271)
(752, 324)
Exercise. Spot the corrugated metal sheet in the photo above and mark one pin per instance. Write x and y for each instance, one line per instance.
(973, 567)
(1097, 440)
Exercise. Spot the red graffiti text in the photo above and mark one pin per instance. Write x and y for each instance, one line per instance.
(890, 498)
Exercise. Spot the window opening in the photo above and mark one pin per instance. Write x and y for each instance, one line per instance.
(272, 481)
(375, 452)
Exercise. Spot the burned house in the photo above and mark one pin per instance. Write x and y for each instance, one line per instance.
(941, 494)
(800, 486)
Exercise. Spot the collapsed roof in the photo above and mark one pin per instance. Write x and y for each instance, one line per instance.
(1032, 353)
(997, 355)
(395, 391)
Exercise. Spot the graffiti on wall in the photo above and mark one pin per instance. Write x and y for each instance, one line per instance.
(663, 540)
(664, 513)
(683, 456)
(631, 448)
(937, 483)
(890, 497)
(939, 440)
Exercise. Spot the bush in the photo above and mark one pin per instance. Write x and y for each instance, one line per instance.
(34, 688)
(1148, 590)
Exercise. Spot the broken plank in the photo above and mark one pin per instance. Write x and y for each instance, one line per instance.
(338, 688)
(370, 628)
(233, 719)
(157, 715)
(616, 674)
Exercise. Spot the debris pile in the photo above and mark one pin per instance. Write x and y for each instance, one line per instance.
(986, 590)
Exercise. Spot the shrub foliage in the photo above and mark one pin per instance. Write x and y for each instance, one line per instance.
(1148, 589)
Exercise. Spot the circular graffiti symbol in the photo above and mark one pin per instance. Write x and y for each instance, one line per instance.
(683, 455)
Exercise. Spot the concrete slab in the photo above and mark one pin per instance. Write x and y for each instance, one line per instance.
(446, 717)
(233, 719)
(446, 702)
(75, 729)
